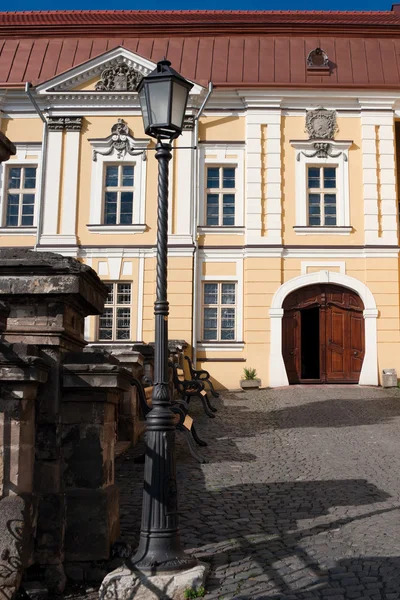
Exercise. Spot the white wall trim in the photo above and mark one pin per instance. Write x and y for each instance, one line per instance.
(369, 371)
(312, 263)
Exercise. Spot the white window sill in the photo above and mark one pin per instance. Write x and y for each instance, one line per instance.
(117, 228)
(315, 230)
(215, 346)
(18, 230)
(221, 230)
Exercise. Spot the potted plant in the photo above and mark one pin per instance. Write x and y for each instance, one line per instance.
(250, 381)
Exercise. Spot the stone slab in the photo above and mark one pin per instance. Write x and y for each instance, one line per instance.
(124, 584)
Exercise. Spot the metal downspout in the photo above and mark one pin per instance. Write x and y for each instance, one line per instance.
(28, 86)
(196, 197)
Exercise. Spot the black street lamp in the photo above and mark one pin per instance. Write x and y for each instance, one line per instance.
(163, 97)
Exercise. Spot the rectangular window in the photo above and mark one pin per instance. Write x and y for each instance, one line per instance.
(118, 194)
(21, 191)
(115, 322)
(219, 312)
(221, 190)
(321, 193)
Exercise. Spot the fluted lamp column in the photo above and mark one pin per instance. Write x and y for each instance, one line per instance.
(163, 97)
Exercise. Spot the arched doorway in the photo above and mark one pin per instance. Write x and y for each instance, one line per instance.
(323, 339)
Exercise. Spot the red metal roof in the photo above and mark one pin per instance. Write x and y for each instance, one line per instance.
(232, 57)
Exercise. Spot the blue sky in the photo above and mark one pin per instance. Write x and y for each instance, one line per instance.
(198, 5)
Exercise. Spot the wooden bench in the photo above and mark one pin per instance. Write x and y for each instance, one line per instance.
(191, 389)
(183, 422)
(201, 375)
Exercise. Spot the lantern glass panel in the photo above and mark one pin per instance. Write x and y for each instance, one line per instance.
(179, 99)
(159, 99)
(143, 104)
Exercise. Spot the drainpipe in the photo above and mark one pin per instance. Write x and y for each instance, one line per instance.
(28, 86)
(196, 196)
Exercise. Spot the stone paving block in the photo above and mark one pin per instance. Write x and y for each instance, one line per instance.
(317, 466)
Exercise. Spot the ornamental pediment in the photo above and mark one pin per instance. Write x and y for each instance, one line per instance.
(118, 70)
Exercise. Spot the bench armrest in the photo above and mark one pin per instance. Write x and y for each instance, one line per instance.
(201, 374)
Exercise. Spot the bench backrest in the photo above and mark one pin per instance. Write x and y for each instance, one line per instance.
(144, 395)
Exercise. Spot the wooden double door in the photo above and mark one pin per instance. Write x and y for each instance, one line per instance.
(323, 335)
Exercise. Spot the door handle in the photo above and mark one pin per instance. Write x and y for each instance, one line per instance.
(355, 353)
(292, 353)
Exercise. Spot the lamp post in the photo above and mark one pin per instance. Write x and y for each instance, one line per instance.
(163, 96)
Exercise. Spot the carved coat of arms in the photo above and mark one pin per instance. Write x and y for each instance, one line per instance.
(119, 78)
(321, 124)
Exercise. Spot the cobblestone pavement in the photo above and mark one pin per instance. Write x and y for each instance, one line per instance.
(300, 499)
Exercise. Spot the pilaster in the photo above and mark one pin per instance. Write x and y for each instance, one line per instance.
(70, 180)
(51, 197)
(379, 177)
(182, 216)
(263, 187)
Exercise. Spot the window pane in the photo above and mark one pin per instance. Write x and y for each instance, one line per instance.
(105, 324)
(211, 293)
(313, 177)
(330, 220)
(127, 175)
(28, 209)
(314, 198)
(228, 324)
(212, 209)
(329, 177)
(126, 207)
(14, 178)
(314, 210)
(315, 221)
(123, 323)
(330, 199)
(124, 293)
(210, 331)
(30, 178)
(112, 176)
(110, 297)
(110, 208)
(12, 210)
(228, 177)
(228, 293)
(213, 177)
(228, 217)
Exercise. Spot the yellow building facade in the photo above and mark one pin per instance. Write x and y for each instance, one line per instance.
(283, 249)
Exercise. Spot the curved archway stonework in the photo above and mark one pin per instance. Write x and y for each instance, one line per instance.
(277, 371)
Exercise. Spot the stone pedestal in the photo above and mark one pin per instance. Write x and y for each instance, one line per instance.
(93, 385)
(124, 584)
(49, 297)
(21, 372)
(131, 422)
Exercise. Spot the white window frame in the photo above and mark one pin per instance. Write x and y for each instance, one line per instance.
(220, 192)
(219, 306)
(222, 155)
(322, 192)
(96, 224)
(227, 345)
(341, 162)
(33, 152)
(115, 306)
(119, 189)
